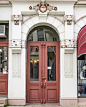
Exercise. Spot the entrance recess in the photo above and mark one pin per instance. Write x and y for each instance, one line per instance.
(42, 84)
(43, 72)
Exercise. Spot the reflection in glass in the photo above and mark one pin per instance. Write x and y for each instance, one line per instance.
(34, 63)
(82, 76)
(51, 61)
(43, 33)
(3, 60)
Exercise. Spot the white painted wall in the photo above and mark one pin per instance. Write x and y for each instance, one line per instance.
(5, 13)
(68, 86)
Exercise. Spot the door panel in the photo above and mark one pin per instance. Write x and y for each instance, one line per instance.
(43, 72)
(52, 73)
(33, 73)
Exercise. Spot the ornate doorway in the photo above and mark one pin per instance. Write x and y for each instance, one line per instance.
(42, 68)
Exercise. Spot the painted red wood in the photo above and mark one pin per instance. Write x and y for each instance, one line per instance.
(42, 91)
(33, 87)
(82, 42)
(4, 77)
(52, 87)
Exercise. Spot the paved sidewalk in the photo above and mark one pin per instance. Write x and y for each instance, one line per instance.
(39, 105)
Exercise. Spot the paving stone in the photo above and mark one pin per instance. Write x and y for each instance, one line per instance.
(39, 105)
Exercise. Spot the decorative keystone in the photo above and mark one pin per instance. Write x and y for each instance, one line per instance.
(16, 19)
(69, 19)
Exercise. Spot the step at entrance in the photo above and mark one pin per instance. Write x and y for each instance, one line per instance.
(1, 105)
(43, 105)
(3, 101)
(83, 104)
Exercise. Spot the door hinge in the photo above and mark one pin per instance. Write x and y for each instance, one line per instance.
(26, 94)
(59, 94)
(26, 73)
(59, 73)
(59, 61)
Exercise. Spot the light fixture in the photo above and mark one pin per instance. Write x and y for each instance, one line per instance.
(31, 61)
(0, 50)
(35, 61)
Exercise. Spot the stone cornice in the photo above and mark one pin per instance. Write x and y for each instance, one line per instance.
(4, 2)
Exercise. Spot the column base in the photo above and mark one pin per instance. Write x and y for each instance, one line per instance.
(16, 101)
(69, 102)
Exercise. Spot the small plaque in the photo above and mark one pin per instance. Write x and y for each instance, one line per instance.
(48, 67)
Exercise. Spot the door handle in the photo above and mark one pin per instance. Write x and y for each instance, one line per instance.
(41, 84)
(44, 84)
(43, 77)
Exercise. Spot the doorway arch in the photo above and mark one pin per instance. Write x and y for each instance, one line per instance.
(42, 84)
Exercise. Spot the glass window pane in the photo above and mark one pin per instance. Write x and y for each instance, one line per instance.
(82, 77)
(51, 64)
(3, 60)
(43, 33)
(34, 63)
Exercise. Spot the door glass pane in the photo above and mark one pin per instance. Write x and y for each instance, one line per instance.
(51, 63)
(34, 63)
(3, 60)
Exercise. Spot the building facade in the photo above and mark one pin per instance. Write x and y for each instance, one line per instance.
(42, 51)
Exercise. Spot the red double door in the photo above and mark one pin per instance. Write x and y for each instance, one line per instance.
(42, 72)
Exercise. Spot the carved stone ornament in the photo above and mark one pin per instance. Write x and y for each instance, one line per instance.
(16, 74)
(68, 74)
(16, 19)
(43, 7)
(68, 43)
(69, 19)
(17, 43)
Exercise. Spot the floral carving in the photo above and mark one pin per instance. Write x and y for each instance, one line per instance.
(17, 43)
(16, 74)
(43, 7)
(16, 19)
(68, 74)
(69, 19)
(68, 43)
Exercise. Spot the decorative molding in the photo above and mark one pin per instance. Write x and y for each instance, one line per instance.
(23, 43)
(48, 15)
(69, 19)
(17, 43)
(68, 74)
(43, 7)
(16, 19)
(16, 74)
(68, 43)
(29, 18)
(80, 19)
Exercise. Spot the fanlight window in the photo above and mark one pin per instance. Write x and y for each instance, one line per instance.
(43, 33)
